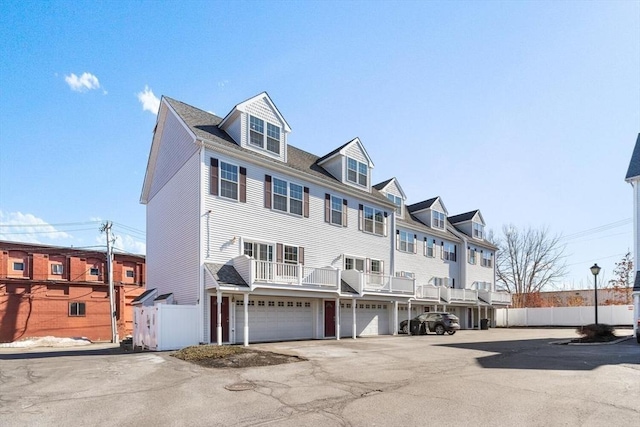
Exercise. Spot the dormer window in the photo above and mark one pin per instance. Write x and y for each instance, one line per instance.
(437, 219)
(478, 230)
(357, 172)
(397, 201)
(258, 138)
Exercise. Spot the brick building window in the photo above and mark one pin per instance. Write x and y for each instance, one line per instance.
(56, 269)
(130, 273)
(18, 266)
(76, 309)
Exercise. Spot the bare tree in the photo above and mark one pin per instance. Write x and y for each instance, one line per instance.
(528, 260)
(621, 283)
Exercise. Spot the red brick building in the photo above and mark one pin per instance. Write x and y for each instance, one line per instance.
(64, 292)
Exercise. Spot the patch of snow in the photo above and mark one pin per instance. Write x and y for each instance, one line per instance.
(46, 342)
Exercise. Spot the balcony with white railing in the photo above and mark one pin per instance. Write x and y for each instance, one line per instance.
(498, 298)
(380, 283)
(459, 295)
(428, 293)
(274, 274)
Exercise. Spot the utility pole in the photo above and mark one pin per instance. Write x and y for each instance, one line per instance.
(106, 227)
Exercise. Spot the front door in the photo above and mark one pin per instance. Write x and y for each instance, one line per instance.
(329, 319)
(214, 319)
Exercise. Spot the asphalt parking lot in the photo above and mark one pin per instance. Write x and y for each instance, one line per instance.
(499, 377)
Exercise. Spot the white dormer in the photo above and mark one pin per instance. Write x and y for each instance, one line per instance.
(431, 212)
(391, 188)
(350, 164)
(257, 125)
(470, 223)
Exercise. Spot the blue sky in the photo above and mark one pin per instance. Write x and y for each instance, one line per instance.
(526, 110)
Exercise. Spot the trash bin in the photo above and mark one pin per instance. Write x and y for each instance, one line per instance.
(484, 324)
(415, 328)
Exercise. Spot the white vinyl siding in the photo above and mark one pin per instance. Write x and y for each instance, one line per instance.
(228, 225)
(176, 147)
(476, 272)
(172, 235)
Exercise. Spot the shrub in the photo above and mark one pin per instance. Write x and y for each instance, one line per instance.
(595, 332)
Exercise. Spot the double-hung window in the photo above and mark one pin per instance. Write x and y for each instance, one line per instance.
(336, 210)
(373, 220)
(376, 266)
(478, 230)
(77, 309)
(257, 135)
(437, 219)
(449, 251)
(430, 247)
(407, 242)
(472, 256)
(229, 180)
(487, 259)
(351, 263)
(287, 196)
(357, 172)
(259, 251)
(290, 254)
(397, 201)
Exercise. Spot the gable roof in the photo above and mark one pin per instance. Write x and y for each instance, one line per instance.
(338, 150)
(205, 127)
(420, 206)
(241, 107)
(467, 216)
(384, 184)
(634, 164)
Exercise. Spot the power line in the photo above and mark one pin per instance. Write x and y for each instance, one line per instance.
(598, 229)
(46, 232)
(64, 224)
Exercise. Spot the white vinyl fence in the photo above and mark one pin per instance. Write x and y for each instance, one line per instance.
(165, 327)
(617, 315)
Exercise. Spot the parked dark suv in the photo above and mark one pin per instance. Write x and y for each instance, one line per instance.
(438, 322)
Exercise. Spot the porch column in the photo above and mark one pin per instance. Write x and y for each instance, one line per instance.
(338, 319)
(353, 308)
(408, 317)
(219, 317)
(486, 312)
(479, 316)
(246, 319)
(395, 318)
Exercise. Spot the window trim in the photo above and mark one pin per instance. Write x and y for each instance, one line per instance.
(373, 221)
(409, 241)
(77, 311)
(133, 273)
(236, 182)
(447, 254)
(91, 271)
(332, 210)
(358, 173)
(473, 256)
(270, 192)
(354, 259)
(270, 249)
(265, 135)
(429, 244)
(437, 222)
(21, 263)
(479, 233)
(55, 267)
(487, 259)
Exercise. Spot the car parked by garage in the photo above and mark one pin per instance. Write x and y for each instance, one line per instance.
(438, 322)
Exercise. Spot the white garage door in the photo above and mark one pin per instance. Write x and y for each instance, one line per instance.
(372, 318)
(275, 319)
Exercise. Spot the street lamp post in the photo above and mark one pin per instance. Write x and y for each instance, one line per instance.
(595, 270)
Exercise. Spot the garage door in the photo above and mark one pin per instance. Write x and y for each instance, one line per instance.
(275, 319)
(372, 318)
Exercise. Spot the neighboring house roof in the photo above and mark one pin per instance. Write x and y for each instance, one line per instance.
(146, 294)
(634, 164)
(163, 297)
(225, 274)
(205, 126)
(467, 216)
(425, 204)
(50, 249)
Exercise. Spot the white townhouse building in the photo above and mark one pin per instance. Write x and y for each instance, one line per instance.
(274, 243)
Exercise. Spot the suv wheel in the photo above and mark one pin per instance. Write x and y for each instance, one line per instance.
(439, 330)
(451, 332)
(405, 329)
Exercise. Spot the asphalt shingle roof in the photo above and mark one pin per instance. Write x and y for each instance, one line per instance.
(425, 204)
(634, 164)
(462, 217)
(382, 184)
(225, 274)
(205, 126)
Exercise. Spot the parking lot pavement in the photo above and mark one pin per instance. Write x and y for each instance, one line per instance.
(495, 377)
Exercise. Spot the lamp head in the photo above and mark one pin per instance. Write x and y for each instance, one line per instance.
(595, 270)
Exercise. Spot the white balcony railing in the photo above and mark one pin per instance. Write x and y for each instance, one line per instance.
(459, 295)
(388, 284)
(503, 298)
(428, 292)
(278, 273)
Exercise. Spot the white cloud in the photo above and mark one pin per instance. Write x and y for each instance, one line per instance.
(85, 82)
(19, 227)
(149, 101)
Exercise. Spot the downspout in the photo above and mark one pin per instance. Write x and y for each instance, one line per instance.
(392, 236)
(201, 215)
